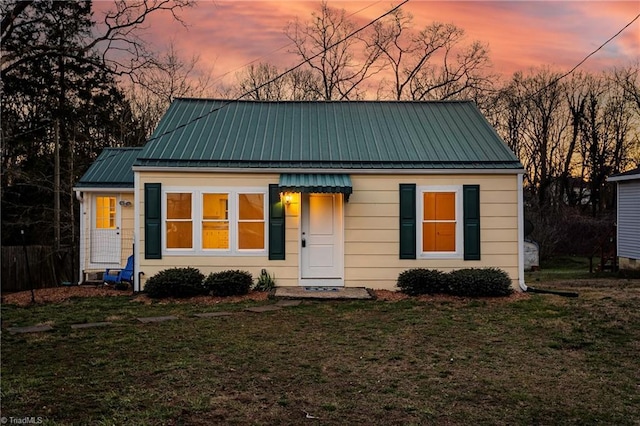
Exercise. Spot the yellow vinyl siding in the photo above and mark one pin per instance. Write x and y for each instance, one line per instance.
(371, 235)
(286, 271)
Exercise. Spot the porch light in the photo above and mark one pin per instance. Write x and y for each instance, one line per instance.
(286, 197)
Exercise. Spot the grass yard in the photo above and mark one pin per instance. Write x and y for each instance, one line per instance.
(542, 359)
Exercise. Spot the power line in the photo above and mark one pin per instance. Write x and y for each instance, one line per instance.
(290, 70)
(566, 74)
(268, 54)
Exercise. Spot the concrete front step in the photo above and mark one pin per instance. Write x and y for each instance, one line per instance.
(323, 293)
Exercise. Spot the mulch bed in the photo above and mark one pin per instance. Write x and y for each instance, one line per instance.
(61, 294)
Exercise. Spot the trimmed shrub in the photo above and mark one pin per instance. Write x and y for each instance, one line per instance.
(175, 282)
(480, 283)
(265, 281)
(228, 283)
(422, 281)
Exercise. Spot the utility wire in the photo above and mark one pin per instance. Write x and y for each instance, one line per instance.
(568, 73)
(268, 54)
(279, 76)
(229, 102)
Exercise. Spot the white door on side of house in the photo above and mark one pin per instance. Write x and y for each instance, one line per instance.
(105, 241)
(321, 240)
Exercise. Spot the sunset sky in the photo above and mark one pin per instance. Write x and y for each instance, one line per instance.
(227, 35)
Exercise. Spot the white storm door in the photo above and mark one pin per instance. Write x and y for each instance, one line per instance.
(105, 243)
(321, 239)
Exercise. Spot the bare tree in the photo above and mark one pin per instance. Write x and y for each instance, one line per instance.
(536, 121)
(115, 44)
(172, 77)
(341, 63)
(434, 63)
(261, 82)
(607, 134)
(628, 79)
(265, 82)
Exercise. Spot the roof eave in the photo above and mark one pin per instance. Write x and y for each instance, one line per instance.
(277, 170)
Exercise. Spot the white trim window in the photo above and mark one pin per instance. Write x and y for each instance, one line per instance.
(215, 221)
(440, 222)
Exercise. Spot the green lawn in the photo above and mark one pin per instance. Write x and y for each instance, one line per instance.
(544, 359)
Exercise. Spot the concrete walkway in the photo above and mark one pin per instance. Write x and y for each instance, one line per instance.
(322, 293)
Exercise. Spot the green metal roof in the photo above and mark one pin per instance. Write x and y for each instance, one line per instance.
(316, 182)
(112, 169)
(326, 135)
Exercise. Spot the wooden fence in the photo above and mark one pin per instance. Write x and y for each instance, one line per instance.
(29, 267)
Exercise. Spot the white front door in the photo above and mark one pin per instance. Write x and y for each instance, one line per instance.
(105, 241)
(321, 240)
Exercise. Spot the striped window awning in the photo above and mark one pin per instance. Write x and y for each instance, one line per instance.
(316, 183)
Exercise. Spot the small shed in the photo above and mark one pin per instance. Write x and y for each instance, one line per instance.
(628, 218)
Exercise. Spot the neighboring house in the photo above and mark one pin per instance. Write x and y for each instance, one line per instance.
(326, 193)
(628, 220)
(105, 193)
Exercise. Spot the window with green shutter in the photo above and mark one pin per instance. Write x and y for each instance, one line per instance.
(407, 221)
(276, 224)
(471, 195)
(152, 221)
(440, 222)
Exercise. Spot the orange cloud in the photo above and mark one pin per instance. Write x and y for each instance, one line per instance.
(227, 35)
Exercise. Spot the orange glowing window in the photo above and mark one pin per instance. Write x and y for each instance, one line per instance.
(215, 221)
(251, 221)
(179, 221)
(105, 212)
(439, 222)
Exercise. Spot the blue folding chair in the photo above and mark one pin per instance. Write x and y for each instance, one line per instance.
(115, 276)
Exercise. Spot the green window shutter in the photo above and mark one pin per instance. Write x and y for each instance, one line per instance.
(471, 195)
(152, 221)
(407, 221)
(276, 224)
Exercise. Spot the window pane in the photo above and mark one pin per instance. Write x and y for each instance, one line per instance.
(446, 236)
(438, 236)
(251, 235)
(215, 235)
(105, 212)
(429, 205)
(445, 206)
(179, 206)
(428, 236)
(179, 234)
(251, 206)
(439, 205)
(215, 206)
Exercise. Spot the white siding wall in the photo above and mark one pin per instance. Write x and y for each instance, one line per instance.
(629, 219)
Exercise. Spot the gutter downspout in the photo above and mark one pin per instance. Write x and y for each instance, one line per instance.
(136, 232)
(521, 282)
(81, 254)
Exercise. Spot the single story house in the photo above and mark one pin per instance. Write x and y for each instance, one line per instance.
(628, 218)
(320, 193)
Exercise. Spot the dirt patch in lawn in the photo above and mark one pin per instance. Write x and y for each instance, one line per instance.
(394, 296)
(62, 294)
